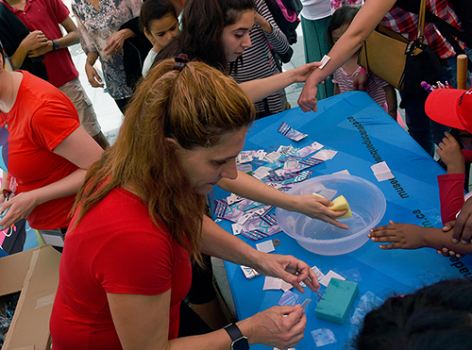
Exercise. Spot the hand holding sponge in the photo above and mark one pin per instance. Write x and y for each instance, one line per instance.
(339, 204)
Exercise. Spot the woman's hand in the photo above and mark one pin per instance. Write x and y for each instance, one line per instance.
(288, 268)
(93, 77)
(34, 40)
(281, 327)
(307, 100)
(302, 72)
(116, 40)
(19, 207)
(317, 208)
(262, 22)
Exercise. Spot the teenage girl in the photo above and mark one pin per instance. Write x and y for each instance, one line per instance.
(158, 20)
(217, 33)
(343, 77)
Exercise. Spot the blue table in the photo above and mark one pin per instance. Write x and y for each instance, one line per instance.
(363, 134)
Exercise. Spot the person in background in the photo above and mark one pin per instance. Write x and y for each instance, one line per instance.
(434, 317)
(179, 6)
(45, 151)
(122, 281)
(259, 61)
(221, 39)
(380, 91)
(315, 17)
(420, 127)
(99, 23)
(42, 18)
(158, 19)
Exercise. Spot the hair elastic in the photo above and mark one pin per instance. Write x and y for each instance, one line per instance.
(180, 62)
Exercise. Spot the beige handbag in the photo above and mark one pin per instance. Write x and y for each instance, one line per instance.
(385, 52)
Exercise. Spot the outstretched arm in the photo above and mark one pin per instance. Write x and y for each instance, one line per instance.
(409, 236)
(221, 244)
(313, 206)
(363, 24)
(260, 88)
(142, 322)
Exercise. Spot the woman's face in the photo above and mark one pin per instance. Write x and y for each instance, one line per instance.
(236, 36)
(162, 30)
(204, 167)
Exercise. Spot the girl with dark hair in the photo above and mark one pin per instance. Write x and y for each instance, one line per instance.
(217, 33)
(435, 317)
(343, 77)
(261, 60)
(139, 221)
(158, 21)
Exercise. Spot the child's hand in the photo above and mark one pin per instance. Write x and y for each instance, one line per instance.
(398, 236)
(451, 154)
(448, 253)
(448, 226)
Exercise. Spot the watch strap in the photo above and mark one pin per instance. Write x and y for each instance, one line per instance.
(55, 45)
(239, 341)
(233, 331)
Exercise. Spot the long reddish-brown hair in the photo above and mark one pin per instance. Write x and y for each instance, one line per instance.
(197, 107)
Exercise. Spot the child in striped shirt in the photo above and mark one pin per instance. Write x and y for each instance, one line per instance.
(380, 91)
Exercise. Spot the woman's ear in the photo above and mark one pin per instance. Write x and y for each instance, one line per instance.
(172, 143)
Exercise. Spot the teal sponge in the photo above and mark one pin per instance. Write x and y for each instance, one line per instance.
(337, 301)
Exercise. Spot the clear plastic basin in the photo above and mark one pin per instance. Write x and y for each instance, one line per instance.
(367, 204)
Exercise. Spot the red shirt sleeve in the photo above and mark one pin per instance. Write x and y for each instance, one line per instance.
(451, 195)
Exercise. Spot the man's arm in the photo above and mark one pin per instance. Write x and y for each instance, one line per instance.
(34, 41)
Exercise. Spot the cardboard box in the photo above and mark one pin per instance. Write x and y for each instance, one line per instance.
(35, 273)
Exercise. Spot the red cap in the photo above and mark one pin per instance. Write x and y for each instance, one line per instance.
(451, 107)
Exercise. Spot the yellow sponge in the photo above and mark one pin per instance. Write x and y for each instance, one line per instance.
(339, 204)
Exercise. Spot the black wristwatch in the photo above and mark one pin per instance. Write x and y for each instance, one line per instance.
(239, 341)
(55, 45)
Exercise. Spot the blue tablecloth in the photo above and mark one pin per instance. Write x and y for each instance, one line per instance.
(363, 134)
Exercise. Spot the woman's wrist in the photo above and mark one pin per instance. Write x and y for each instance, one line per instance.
(247, 329)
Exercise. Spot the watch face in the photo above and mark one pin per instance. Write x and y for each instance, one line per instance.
(241, 344)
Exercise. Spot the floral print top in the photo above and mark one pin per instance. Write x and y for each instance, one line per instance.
(95, 27)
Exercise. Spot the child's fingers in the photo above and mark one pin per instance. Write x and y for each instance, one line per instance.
(381, 230)
(390, 246)
(382, 239)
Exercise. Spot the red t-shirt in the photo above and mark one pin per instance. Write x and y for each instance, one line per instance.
(115, 248)
(45, 15)
(41, 118)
